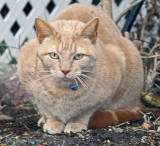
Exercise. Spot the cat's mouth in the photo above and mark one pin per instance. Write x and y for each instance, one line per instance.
(66, 82)
(65, 79)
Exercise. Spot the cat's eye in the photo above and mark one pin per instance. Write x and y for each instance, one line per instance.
(54, 55)
(78, 56)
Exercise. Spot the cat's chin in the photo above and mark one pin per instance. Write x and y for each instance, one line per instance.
(66, 82)
(66, 79)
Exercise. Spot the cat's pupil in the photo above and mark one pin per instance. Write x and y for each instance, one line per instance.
(78, 56)
(54, 55)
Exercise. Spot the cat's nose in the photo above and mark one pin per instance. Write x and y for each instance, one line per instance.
(65, 71)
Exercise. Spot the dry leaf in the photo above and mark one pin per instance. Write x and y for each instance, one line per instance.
(5, 118)
(146, 125)
(151, 98)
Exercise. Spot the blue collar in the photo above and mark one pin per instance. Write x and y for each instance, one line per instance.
(74, 87)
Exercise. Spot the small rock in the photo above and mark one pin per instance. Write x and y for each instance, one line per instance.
(158, 130)
(93, 133)
(108, 142)
(144, 139)
(12, 92)
(80, 135)
(118, 130)
(110, 130)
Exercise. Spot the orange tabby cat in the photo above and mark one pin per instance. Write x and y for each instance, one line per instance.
(81, 72)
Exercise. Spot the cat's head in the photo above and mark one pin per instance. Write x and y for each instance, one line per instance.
(67, 49)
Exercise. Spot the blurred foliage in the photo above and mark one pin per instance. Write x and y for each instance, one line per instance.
(12, 61)
(146, 36)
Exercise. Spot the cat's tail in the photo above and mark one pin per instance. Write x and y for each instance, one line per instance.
(101, 119)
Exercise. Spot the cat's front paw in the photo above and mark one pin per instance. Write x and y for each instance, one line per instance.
(41, 121)
(53, 127)
(74, 127)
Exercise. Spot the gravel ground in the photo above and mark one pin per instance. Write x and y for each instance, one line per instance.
(22, 131)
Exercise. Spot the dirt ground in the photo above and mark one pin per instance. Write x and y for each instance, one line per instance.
(23, 131)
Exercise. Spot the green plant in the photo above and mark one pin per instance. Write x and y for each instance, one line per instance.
(12, 61)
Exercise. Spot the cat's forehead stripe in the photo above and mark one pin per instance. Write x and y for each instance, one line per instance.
(59, 47)
(68, 44)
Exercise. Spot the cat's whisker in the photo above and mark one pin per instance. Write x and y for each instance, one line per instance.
(43, 71)
(46, 68)
(78, 88)
(86, 71)
(47, 76)
(83, 81)
(92, 79)
(96, 73)
(88, 77)
(80, 80)
(83, 84)
(76, 81)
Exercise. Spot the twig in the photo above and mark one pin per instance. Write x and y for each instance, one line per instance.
(4, 45)
(126, 34)
(2, 107)
(127, 122)
(155, 59)
(144, 41)
(99, 5)
(127, 9)
(157, 119)
(107, 7)
(151, 76)
(152, 56)
(154, 47)
(157, 85)
(135, 38)
(142, 31)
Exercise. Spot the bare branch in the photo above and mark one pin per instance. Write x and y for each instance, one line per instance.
(126, 34)
(154, 47)
(99, 5)
(107, 7)
(126, 10)
(152, 56)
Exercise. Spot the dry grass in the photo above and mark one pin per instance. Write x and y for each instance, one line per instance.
(147, 39)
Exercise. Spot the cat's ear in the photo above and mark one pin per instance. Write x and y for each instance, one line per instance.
(90, 30)
(43, 29)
